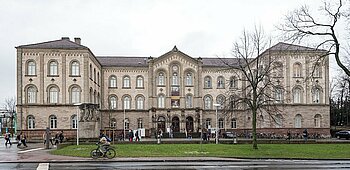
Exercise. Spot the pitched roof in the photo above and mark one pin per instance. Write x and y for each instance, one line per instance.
(221, 62)
(56, 44)
(119, 61)
(281, 46)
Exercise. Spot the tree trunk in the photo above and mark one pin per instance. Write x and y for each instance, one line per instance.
(255, 142)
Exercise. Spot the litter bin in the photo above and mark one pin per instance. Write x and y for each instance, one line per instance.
(159, 140)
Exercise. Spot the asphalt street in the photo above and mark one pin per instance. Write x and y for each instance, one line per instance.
(36, 157)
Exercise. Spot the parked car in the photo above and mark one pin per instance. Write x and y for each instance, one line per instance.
(343, 134)
(228, 135)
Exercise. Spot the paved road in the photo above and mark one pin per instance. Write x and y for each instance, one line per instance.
(35, 156)
(241, 164)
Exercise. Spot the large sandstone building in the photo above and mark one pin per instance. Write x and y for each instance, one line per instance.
(173, 91)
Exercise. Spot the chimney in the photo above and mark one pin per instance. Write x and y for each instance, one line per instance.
(77, 40)
(65, 38)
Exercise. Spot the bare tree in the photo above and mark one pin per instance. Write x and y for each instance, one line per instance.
(255, 69)
(301, 24)
(10, 106)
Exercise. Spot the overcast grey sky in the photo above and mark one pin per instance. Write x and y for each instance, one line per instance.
(203, 28)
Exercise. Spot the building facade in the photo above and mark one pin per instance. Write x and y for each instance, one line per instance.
(174, 91)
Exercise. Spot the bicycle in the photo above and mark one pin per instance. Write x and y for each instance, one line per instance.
(97, 153)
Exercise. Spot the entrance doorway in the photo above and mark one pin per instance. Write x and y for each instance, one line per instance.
(189, 124)
(176, 124)
(161, 124)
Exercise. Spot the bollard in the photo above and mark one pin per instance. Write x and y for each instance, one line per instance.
(234, 140)
(158, 139)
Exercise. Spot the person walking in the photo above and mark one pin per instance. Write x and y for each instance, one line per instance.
(8, 139)
(131, 135)
(305, 135)
(61, 136)
(57, 139)
(22, 138)
(137, 138)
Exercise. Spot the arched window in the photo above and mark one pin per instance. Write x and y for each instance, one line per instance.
(278, 95)
(297, 120)
(112, 81)
(221, 123)
(139, 123)
(75, 71)
(31, 94)
(126, 102)
(278, 69)
(140, 102)
(221, 82)
(232, 104)
(113, 102)
(233, 123)
(207, 102)
(189, 101)
(161, 101)
(317, 71)
(90, 71)
(126, 82)
(161, 79)
(113, 123)
(94, 75)
(53, 94)
(207, 123)
(139, 82)
(31, 122)
(53, 122)
(297, 95)
(175, 79)
(316, 95)
(278, 121)
(53, 68)
(233, 82)
(31, 68)
(207, 82)
(221, 99)
(98, 77)
(317, 121)
(75, 94)
(74, 122)
(297, 69)
(189, 79)
(126, 123)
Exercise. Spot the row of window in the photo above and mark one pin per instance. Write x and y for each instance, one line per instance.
(297, 70)
(53, 69)
(297, 93)
(52, 122)
(126, 82)
(53, 94)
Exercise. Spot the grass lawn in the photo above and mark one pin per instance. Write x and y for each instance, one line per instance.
(316, 151)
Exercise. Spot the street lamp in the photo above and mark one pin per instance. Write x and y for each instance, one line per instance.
(124, 125)
(216, 130)
(78, 104)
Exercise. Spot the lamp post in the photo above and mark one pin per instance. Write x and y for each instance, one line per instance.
(78, 104)
(217, 127)
(124, 124)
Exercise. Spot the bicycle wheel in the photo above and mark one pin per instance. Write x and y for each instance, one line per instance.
(95, 154)
(110, 153)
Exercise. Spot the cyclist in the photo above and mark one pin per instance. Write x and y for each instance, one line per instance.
(104, 144)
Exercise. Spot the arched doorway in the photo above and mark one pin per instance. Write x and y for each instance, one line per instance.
(161, 124)
(189, 124)
(175, 122)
